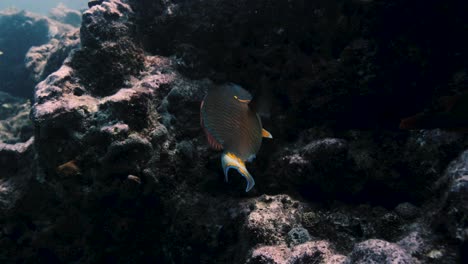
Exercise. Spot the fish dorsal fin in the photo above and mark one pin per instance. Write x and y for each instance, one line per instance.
(266, 134)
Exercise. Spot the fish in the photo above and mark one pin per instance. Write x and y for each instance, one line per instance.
(134, 178)
(1, 53)
(69, 169)
(231, 124)
(450, 113)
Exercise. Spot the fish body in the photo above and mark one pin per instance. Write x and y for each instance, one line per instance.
(68, 169)
(231, 125)
(1, 53)
(451, 114)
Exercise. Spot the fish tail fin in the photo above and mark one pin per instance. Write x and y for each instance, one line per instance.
(229, 161)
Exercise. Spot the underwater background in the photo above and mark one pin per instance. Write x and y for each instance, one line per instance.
(42, 6)
(105, 150)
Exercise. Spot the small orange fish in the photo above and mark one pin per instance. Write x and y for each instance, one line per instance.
(232, 125)
(451, 114)
(68, 169)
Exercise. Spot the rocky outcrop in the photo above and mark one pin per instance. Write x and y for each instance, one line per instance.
(109, 53)
(19, 31)
(311, 252)
(45, 59)
(16, 170)
(454, 212)
(379, 251)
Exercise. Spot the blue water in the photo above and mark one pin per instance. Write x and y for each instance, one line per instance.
(42, 6)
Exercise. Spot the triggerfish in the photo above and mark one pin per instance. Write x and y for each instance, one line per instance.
(231, 123)
(451, 113)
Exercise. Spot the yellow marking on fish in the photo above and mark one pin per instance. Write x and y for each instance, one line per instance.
(236, 162)
(229, 160)
(266, 134)
(240, 100)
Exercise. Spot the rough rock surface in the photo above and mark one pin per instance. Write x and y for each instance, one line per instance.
(15, 125)
(46, 59)
(375, 251)
(16, 171)
(454, 212)
(310, 252)
(121, 168)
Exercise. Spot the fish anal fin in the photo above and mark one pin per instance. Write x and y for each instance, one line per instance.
(266, 134)
(231, 161)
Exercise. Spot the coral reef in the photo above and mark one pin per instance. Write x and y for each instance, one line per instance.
(119, 169)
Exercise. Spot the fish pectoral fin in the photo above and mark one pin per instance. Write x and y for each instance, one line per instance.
(266, 134)
(229, 161)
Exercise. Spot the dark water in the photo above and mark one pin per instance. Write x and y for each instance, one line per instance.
(42, 6)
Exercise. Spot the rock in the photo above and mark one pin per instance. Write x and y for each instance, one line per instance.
(310, 219)
(407, 210)
(19, 31)
(66, 15)
(92, 3)
(315, 169)
(129, 106)
(22, 31)
(46, 59)
(414, 243)
(107, 43)
(186, 151)
(272, 218)
(159, 134)
(178, 108)
(298, 235)
(16, 172)
(378, 251)
(310, 252)
(454, 208)
(127, 156)
(15, 125)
